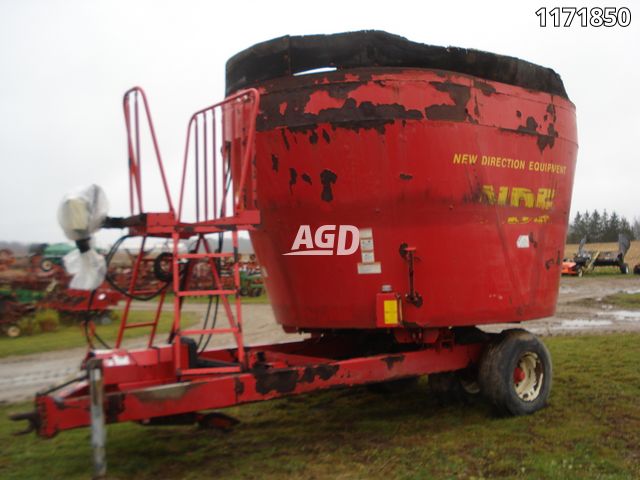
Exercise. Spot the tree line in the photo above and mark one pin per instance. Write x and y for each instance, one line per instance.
(601, 227)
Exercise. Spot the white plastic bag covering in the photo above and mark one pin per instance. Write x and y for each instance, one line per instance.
(82, 212)
(87, 269)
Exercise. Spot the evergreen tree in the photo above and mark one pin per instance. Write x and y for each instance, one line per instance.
(594, 230)
(614, 228)
(635, 228)
(581, 226)
(601, 228)
(626, 228)
(604, 226)
(574, 227)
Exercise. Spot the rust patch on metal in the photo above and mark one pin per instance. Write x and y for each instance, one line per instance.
(284, 139)
(327, 178)
(476, 194)
(283, 381)
(115, 406)
(459, 94)
(238, 387)
(406, 176)
(323, 372)
(531, 128)
(306, 178)
(326, 136)
(293, 178)
(549, 139)
(351, 115)
(391, 360)
(274, 163)
(484, 87)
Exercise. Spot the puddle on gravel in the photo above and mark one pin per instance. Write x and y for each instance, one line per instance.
(580, 324)
(624, 315)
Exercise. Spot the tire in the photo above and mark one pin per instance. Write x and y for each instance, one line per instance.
(515, 373)
(454, 387)
(160, 270)
(103, 319)
(13, 331)
(46, 265)
(624, 269)
(393, 386)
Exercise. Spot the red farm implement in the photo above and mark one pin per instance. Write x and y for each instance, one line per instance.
(25, 290)
(346, 181)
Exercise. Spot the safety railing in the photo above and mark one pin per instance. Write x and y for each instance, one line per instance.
(218, 174)
(133, 101)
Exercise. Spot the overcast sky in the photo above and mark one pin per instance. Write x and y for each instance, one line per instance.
(65, 64)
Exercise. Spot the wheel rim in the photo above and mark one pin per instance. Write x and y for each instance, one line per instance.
(528, 377)
(13, 331)
(470, 386)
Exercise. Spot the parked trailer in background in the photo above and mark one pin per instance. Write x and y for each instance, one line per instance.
(395, 203)
(585, 261)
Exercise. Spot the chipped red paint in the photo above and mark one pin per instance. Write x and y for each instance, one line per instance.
(139, 391)
(392, 135)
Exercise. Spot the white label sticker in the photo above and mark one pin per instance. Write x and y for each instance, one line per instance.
(523, 241)
(366, 233)
(366, 244)
(117, 361)
(368, 268)
(368, 257)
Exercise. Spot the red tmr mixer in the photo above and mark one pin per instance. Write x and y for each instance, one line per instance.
(395, 200)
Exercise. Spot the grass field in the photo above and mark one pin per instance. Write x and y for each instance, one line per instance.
(628, 301)
(590, 430)
(73, 336)
(632, 257)
(264, 298)
(624, 300)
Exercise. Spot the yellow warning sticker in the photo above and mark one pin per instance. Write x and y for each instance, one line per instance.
(390, 312)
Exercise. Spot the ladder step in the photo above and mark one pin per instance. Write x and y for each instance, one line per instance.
(202, 293)
(209, 331)
(143, 292)
(205, 255)
(139, 324)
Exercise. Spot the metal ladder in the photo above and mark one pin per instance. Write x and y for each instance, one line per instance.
(219, 165)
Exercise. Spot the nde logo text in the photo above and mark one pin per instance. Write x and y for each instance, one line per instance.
(327, 240)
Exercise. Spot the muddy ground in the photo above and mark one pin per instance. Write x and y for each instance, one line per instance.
(22, 376)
